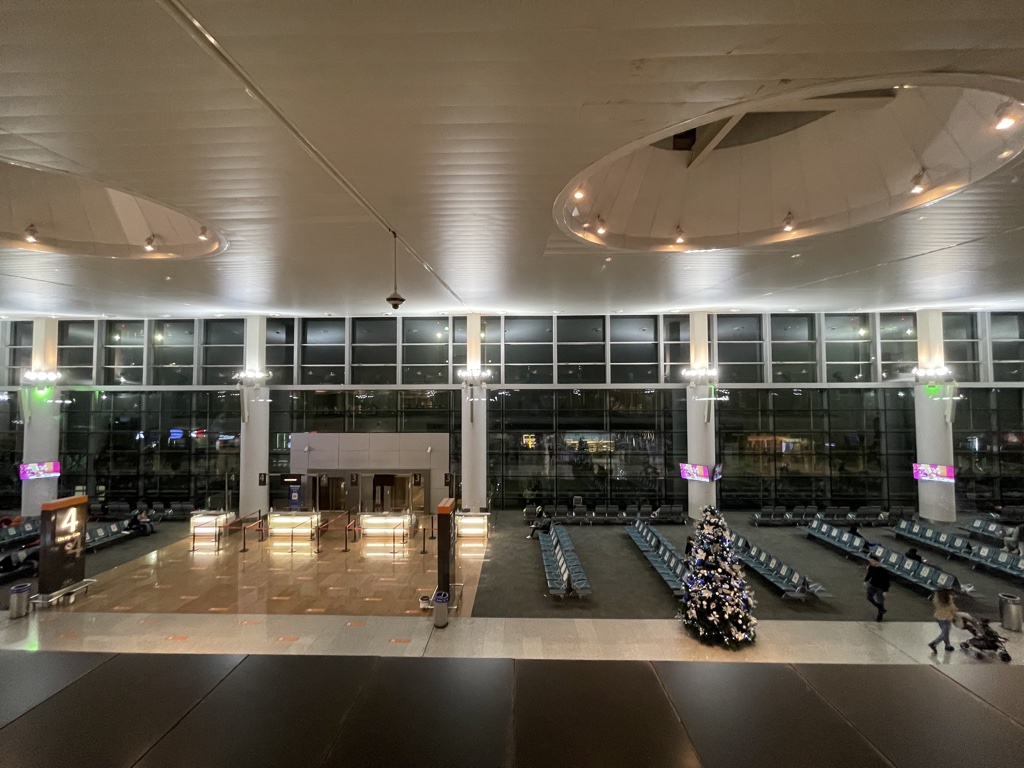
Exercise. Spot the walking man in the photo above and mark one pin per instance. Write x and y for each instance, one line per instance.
(877, 579)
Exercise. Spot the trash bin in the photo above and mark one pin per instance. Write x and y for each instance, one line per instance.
(1010, 611)
(441, 609)
(19, 601)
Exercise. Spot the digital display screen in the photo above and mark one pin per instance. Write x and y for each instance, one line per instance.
(696, 472)
(939, 472)
(39, 470)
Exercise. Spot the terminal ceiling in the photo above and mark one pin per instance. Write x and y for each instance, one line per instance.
(458, 124)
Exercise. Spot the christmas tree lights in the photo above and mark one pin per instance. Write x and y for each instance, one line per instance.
(717, 604)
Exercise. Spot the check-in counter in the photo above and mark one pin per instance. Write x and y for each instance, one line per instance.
(288, 526)
(385, 524)
(206, 527)
(475, 525)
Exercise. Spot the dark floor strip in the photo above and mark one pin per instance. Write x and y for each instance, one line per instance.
(1000, 685)
(429, 712)
(596, 713)
(270, 711)
(28, 679)
(741, 714)
(111, 716)
(917, 716)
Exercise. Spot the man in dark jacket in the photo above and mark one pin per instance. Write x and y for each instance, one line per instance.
(877, 579)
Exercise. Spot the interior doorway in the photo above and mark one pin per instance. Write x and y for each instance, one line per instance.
(387, 492)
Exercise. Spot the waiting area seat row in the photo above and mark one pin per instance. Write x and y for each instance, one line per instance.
(562, 567)
(20, 564)
(122, 509)
(916, 573)
(109, 533)
(954, 545)
(661, 554)
(1012, 514)
(15, 534)
(793, 584)
(604, 514)
(987, 529)
(802, 515)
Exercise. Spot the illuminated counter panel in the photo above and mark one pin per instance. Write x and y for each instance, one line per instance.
(204, 524)
(384, 525)
(474, 526)
(286, 525)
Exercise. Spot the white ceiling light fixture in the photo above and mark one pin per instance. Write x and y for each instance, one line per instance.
(680, 238)
(148, 246)
(395, 299)
(919, 183)
(600, 226)
(787, 223)
(203, 234)
(1005, 117)
(31, 233)
(579, 194)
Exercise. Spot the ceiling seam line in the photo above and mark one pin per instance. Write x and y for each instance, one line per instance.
(205, 40)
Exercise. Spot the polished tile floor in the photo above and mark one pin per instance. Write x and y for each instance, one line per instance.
(376, 577)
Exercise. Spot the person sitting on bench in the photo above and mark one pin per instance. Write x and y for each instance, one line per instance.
(1011, 543)
(542, 523)
(140, 522)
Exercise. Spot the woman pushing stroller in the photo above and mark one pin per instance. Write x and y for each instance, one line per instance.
(945, 613)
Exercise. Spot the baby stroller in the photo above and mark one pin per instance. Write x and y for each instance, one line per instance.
(985, 642)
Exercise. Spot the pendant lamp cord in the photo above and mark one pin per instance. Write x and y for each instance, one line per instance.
(394, 236)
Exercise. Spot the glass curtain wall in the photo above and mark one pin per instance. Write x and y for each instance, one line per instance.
(988, 448)
(810, 446)
(11, 443)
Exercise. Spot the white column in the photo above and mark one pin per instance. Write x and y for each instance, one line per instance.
(700, 418)
(933, 411)
(255, 434)
(41, 415)
(474, 422)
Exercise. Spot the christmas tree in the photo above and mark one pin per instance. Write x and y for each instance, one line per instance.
(717, 603)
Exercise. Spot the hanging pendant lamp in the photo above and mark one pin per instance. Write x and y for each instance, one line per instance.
(395, 299)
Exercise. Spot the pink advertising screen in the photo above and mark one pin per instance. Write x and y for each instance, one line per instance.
(939, 472)
(696, 472)
(37, 471)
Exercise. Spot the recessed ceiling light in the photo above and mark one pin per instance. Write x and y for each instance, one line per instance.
(202, 234)
(219, 314)
(617, 312)
(167, 278)
(608, 258)
(600, 226)
(792, 310)
(795, 256)
(787, 223)
(387, 314)
(679, 235)
(1005, 154)
(578, 194)
(1005, 117)
(30, 233)
(149, 243)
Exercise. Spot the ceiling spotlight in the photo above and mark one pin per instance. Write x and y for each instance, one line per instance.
(787, 223)
(918, 183)
(1005, 154)
(600, 226)
(30, 233)
(202, 234)
(578, 194)
(1005, 117)
(149, 243)
(679, 235)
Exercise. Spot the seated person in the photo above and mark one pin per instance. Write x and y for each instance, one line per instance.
(1011, 543)
(140, 522)
(542, 523)
(913, 554)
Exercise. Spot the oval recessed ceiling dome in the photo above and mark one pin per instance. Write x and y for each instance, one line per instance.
(820, 160)
(55, 212)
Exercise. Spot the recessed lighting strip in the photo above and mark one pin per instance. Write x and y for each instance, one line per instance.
(199, 33)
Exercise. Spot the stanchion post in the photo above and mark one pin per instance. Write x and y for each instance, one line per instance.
(432, 536)
(346, 539)
(423, 538)
(244, 548)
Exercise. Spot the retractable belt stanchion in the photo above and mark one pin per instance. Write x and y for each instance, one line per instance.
(432, 536)
(423, 538)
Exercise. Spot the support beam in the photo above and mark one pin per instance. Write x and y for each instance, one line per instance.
(709, 136)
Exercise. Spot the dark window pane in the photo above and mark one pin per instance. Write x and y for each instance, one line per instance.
(21, 333)
(580, 329)
(794, 352)
(793, 327)
(323, 332)
(123, 357)
(415, 354)
(223, 356)
(126, 333)
(321, 355)
(740, 374)
(634, 353)
(172, 376)
(378, 330)
(1007, 350)
(848, 352)
(958, 326)
(172, 356)
(846, 327)
(224, 331)
(528, 374)
(581, 353)
(1007, 325)
(424, 374)
(961, 350)
(74, 356)
(75, 333)
(323, 375)
(280, 375)
(174, 332)
(280, 330)
(527, 329)
(897, 326)
(282, 355)
(527, 353)
(379, 374)
(739, 353)
(739, 328)
(800, 372)
(420, 330)
(634, 374)
(640, 328)
(371, 355)
(581, 374)
(677, 328)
